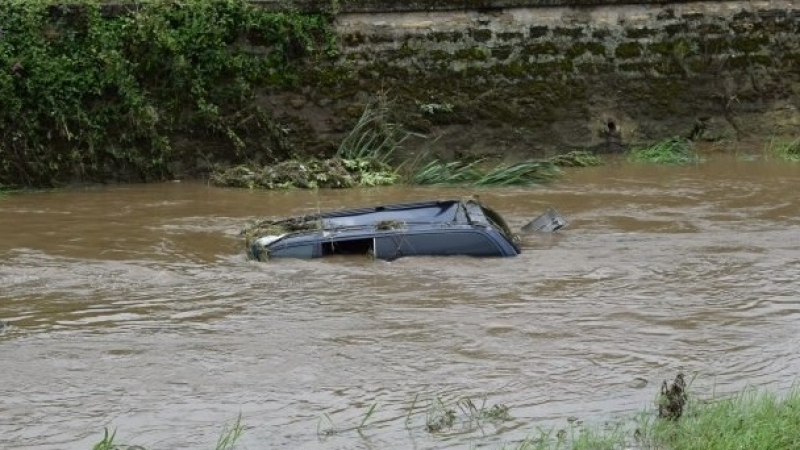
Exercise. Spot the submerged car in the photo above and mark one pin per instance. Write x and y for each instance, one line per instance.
(432, 228)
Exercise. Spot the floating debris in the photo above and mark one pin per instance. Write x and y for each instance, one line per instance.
(577, 158)
(311, 174)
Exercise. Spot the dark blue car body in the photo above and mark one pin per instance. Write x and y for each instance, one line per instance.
(433, 228)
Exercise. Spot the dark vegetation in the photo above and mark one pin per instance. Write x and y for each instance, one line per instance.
(147, 93)
(172, 88)
(672, 398)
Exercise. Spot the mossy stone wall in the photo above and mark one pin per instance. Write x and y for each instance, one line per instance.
(543, 76)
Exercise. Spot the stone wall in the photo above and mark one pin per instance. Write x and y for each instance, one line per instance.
(532, 77)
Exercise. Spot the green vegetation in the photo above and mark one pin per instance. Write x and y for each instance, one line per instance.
(227, 439)
(479, 173)
(87, 96)
(108, 441)
(668, 151)
(753, 419)
(308, 174)
(366, 157)
(367, 170)
(362, 159)
(785, 150)
(576, 437)
(578, 158)
(456, 172)
(374, 137)
(230, 435)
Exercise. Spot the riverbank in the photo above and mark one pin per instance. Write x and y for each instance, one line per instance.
(169, 90)
(754, 419)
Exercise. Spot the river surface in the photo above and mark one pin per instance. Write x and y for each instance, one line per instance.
(134, 307)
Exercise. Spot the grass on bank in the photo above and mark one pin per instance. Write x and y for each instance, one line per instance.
(674, 151)
(754, 419)
(375, 136)
(783, 149)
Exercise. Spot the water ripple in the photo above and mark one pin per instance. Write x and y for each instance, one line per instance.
(153, 321)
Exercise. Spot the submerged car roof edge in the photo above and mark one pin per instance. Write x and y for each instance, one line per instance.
(369, 209)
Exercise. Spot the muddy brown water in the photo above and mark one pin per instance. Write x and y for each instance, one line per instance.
(133, 307)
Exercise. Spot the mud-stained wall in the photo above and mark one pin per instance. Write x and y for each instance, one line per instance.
(506, 77)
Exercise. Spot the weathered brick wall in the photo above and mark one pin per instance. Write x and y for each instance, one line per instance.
(528, 76)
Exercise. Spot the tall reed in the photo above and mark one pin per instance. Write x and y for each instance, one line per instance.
(375, 136)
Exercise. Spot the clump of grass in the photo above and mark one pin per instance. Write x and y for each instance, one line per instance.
(669, 151)
(577, 158)
(230, 435)
(576, 437)
(440, 172)
(753, 420)
(108, 441)
(527, 172)
(785, 150)
(456, 172)
(374, 137)
(441, 416)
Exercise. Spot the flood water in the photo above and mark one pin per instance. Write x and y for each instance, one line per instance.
(134, 307)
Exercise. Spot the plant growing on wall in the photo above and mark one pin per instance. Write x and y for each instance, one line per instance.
(88, 90)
